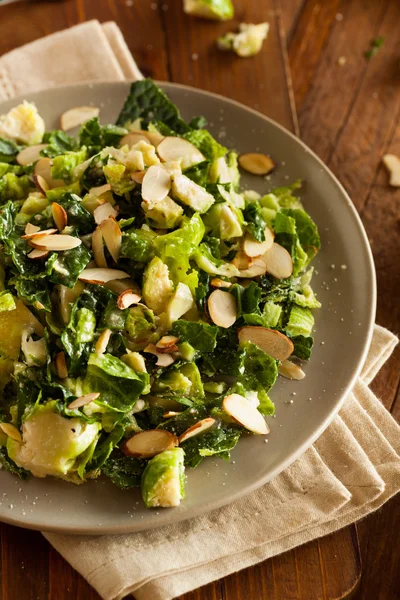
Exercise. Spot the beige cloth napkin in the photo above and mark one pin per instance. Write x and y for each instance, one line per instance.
(350, 471)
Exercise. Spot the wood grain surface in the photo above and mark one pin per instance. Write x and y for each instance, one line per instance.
(349, 115)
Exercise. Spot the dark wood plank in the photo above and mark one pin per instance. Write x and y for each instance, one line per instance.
(290, 11)
(195, 60)
(65, 583)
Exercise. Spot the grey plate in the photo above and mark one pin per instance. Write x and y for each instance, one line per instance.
(303, 409)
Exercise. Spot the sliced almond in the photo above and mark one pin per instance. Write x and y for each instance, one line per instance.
(61, 366)
(222, 308)
(104, 211)
(40, 233)
(60, 216)
(30, 228)
(216, 282)
(130, 139)
(176, 148)
(83, 400)
(11, 431)
(101, 276)
(56, 243)
(112, 236)
(392, 163)
(43, 169)
(245, 413)
(98, 248)
(163, 359)
(30, 154)
(278, 261)
(77, 116)
(156, 184)
(291, 370)
(196, 429)
(272, 342)
(167, 341)
(253, 248)
(41, 184)
(256, 163)
(138, 176)
(37, 254)
(127, 298)
(171, 413)
(256, 269)
(242, 261)
(154, 137)
(102, 342)
(149, 443)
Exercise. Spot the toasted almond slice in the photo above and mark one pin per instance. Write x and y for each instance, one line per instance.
(196, 429)
(130, 139)
(216, 282)
(101, 276)
(77, 116)
(100, 190)
(222, 308)
(30, 154)
(127, 298)
(40, 233)
(392, 163)
(245, 413)
(11, 431)
(254, 248)
(112, 236)
(242, 261)
(41, 184)
(256, 163)
(37, 254)
(171, 413)
(138, 176)
(256, 269)
(98, 248)
(169, 350)
(104, 211)
(167, 341)
(156, 184)
(102, 342)
(43, 169)
(291, 370)
(279, 262)
(83, 400)
(176, 148)
(163, 359)
(60, 216)
(272, 342)
(149, 443)
(30, 228)
(61, 366)
(55, 242)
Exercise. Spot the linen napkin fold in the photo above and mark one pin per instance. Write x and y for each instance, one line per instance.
(351, 470)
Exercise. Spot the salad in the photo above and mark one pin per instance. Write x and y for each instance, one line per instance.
(147, 304)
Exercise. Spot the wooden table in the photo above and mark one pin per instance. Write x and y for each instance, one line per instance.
(348, 113)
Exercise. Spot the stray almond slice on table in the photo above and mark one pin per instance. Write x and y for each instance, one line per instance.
(55, 243)
(156, 184)
(256, 163)
(278, 261)
(175, 148)
(149, 443)
(102, 342)
(245, 413)
(30, 236)
(60, 216)
(37, 254)
(254, 248)
(61, 366)
(30, 154)
(101, 276)
(98, 248)
(83, 400)
(77, 116)
(222, 308)
(392, 163)
(127, 298)
(197, 429)
(291, 370)
(112, 236)
(272, 342)
(12, 432)
(104, 211)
